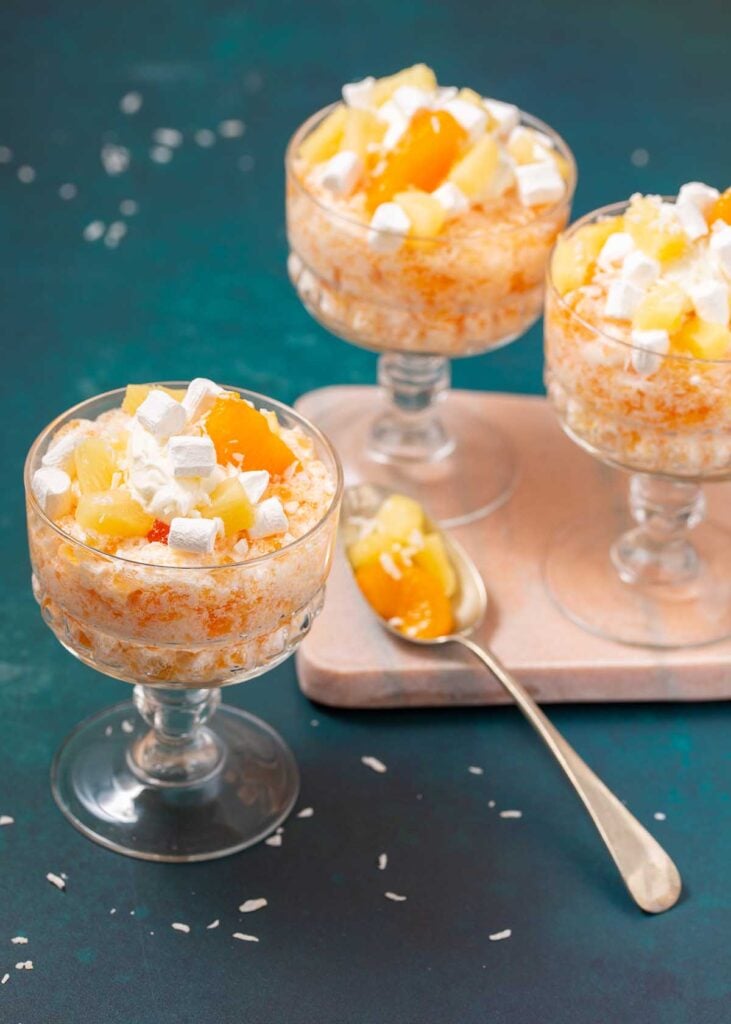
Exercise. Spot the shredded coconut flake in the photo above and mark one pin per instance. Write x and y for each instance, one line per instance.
(382, 861)
(127, 726)
(56, 880)
(249, 906)
(24, 965)
(511, 814)
(5, 979)
(275, 840)
(5, 819)
(374, 763)
(179, 927)
(19, 940)
(474, 770)
(394, 896)
(213, 924)
(497, 936)
(659, 816)
(490, 803)
(306, 812)
(245, 938)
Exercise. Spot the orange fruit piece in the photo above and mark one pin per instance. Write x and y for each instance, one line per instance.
(421, 158)
(721, 209)
(416, 598)
(242, 435)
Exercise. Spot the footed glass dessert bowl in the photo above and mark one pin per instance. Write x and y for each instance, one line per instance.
(180, 540)
(420, 220)
(638, 367)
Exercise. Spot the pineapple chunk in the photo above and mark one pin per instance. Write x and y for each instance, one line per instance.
(114, 514)
(362, 128)
(702, 339)
(664, 242)
(135, 394)
(427, 215)
(420, 76)
(95, 465)
(470, 96)
(230, 503)
(433, 558)
(395, 523)
(524, 147)
(575, 255)
(474, 172)
(324, 141)
(664, 308)
(399, 516)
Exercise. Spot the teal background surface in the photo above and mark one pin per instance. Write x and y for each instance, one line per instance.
(198, 286)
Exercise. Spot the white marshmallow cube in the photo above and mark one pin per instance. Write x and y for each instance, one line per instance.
(342, 173)
(161, 415)
(471, 117)
(388, 228)
(409, 99)
(615, 249)
(191, 456)
(640, 269)
(199, 397)
(702, 196)
(451, 198)
(539, 183)
(649, 349)
(506, 115)
(61, 452)
(196, 535)
(255, 483)
(623, 298)
(720, 246)
(52, 490)
(710, 300)
(269, 520)
(359, 95)
(691, 220)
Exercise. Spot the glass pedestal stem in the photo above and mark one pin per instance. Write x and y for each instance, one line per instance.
(178, 750)
(659, 551)
(411, 430)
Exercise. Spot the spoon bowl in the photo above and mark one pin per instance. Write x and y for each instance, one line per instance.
(649, 874)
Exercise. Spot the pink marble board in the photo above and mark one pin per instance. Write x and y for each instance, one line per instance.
(349, 661)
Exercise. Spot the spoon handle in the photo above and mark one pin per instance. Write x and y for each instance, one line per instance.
(648, 872)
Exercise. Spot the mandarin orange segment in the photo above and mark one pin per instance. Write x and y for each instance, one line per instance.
(421, 158)
(241, 435)
(410, 595)
(721, 209)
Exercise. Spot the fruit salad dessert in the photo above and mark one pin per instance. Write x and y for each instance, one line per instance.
(420, 217)
(403, 569)
(638, 333)
(181, 535)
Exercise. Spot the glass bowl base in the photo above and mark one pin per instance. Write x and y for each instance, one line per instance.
(474, 478)
(249, 795)
(583, 581)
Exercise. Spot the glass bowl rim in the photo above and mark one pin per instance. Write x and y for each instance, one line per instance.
(611, 210)
(310, 429)
(526, 118)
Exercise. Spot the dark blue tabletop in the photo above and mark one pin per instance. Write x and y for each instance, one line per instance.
(198, 286)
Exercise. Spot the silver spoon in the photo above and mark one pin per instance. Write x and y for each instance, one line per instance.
(648, 872)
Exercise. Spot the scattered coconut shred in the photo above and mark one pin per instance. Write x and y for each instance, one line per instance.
(180, 927)
(5, 819)
(56, 880)
(251, 905)
(245, 938)
(374, 764)
(396, 897)
(498, 936)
